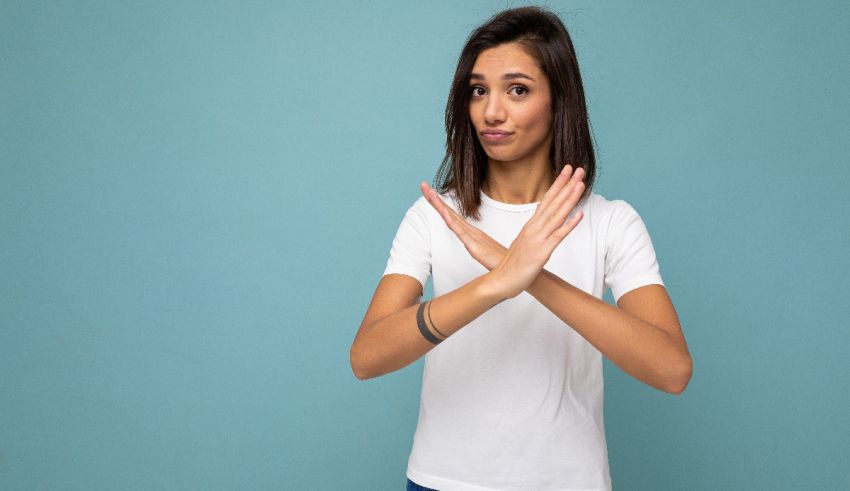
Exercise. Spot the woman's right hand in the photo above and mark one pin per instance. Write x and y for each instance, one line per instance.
(533, 247)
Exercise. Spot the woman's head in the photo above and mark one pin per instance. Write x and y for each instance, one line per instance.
(510, 93)
(556, 122)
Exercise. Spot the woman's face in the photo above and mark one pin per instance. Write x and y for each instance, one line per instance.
(510, 94)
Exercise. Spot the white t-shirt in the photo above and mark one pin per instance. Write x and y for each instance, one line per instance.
(513, 400)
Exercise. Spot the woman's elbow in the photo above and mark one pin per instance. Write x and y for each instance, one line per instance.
(682, 376)
(355, 364)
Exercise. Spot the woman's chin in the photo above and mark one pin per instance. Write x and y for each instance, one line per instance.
(501, 156)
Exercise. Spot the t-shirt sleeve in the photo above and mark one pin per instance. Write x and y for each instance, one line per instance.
(630, 260)
(411, 247)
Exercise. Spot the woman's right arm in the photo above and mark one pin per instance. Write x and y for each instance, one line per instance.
(389, 337)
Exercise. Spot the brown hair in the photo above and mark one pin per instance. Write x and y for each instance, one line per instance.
(541, 32)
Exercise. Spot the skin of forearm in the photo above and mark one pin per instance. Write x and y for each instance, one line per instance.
(394, 341)
(641, 349)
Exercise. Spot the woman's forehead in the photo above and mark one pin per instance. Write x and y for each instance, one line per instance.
(503, 59)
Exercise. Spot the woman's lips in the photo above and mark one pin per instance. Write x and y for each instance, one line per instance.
(495, 137)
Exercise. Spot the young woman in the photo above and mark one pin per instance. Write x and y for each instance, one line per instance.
(521, 251)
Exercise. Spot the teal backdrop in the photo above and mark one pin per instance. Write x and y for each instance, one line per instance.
(197, 200)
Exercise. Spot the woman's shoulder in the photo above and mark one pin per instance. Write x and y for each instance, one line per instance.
(602, 206)
(422, 208)
(609, 216)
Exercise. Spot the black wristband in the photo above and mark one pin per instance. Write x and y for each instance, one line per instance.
(420, 321)
(431, 321)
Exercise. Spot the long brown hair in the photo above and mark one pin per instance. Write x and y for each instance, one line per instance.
(541, 32)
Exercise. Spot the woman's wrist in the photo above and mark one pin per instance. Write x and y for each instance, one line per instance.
(492, 288)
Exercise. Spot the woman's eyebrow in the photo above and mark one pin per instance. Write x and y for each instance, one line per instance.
(507, 76)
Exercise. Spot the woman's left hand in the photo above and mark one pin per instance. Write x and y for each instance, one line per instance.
(483, 248)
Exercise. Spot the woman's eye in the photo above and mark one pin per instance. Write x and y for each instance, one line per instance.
(520, 87)
(522, 90)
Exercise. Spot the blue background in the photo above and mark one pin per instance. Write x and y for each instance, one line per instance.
(197, 200)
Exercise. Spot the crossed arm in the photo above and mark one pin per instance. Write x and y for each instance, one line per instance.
(642, 335)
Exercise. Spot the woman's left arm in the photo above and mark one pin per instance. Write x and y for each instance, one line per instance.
(642, 337)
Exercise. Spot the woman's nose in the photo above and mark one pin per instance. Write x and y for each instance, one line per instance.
(494, 111)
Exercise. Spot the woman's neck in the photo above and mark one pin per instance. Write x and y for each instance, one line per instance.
(517, 182)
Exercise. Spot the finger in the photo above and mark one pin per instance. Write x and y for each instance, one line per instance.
(556, 210)
(567, 193)
(576, 178)
(453, 220)
(568, 200)
(561, 232)
(456, 217)
(434, 199)
(560, 181)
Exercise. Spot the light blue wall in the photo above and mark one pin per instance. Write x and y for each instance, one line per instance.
(197, 200)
